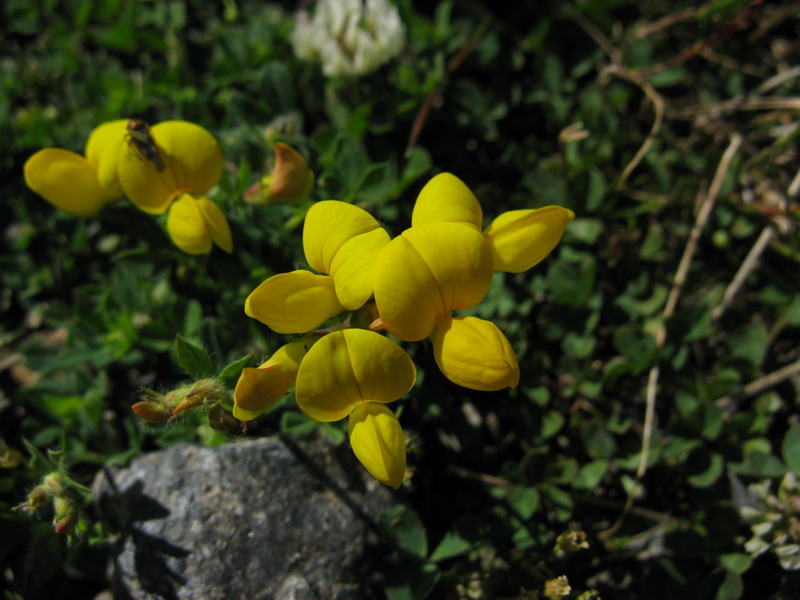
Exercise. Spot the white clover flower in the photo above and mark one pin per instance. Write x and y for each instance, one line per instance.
(349, 37)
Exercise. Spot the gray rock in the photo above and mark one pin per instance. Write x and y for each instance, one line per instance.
(271, 519)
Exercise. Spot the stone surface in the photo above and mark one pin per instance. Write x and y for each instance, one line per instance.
(273, 518)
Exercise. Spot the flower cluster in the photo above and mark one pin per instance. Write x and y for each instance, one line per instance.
(349, 37)
(170, 167)
(441, 264)
(775, 521)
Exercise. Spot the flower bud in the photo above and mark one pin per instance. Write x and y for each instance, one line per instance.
(65, 515)
(152, 411)
(571, 541)
(290, 181)
(557, 588)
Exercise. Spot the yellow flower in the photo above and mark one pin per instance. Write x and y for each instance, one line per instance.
(357, 372)
(258, 390)
(290, 181)
(78, 185)
(519, 239)
(340, 241)
(444, 262)
(428, 271)
(193, 164)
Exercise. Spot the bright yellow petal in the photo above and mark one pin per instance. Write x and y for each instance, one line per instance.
(258, 390)
(447, 198)
(351, 268)
(216, 224)
(66, 180)
(103, 150)
(475, 354)
(187, 227)
(350, 367)
(428, 271)
(192, 153)
(294, 302)
(328, 225)
(378, 442)
(193, 163)
(521, 238)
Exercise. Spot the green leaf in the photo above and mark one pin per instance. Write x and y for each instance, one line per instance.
(234, 369)
(590, 475)
(524, 500)
(731, 587)
(791, 449)
(460, 538)
(403, 527)
(759, 464)
(552, 422)
(736, 561)
(714, 467)
(411, 581)
(192, 359)
(294, 421)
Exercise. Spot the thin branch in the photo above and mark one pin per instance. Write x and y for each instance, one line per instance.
(728, 403)
(649, 29)
(680, 277)
(749, 263)
(700, 222)
(658, 109)
(737, 104)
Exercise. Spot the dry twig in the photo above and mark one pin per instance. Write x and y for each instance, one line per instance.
(680, 277)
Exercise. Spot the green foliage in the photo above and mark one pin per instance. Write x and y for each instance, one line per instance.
(530, 105)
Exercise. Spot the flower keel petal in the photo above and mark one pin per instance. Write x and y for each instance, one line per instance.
(378, 442)
(475, 354)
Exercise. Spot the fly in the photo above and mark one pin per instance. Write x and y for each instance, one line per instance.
(141, 140)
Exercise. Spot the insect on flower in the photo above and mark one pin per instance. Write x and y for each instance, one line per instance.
(140, 139)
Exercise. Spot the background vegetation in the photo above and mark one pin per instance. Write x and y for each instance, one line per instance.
(671, 131)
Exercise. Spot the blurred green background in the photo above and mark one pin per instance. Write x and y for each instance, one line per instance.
(623, 111)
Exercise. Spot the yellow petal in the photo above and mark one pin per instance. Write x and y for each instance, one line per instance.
(258, 390)
(351, 267)
(521, 238)
(475, 354)
(294, 302)
(193, 163)
(216, 224)
(328, 225)
(428, 271)
(378, 442)
(447, 198)
(187, 226)
(66, 180)
(350, 367)
(103, 149)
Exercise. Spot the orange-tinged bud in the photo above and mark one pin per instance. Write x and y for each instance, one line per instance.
(152, 411)
(290, 181)
(65, 515)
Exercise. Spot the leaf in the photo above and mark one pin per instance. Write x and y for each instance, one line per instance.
(192, 359)
(590, 475)
(411, 581)
(715, 465)
(791, 449)
(403, 527)
(234, 369)
(460, 538)
(524, 500)
(736, 561)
